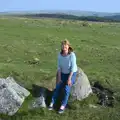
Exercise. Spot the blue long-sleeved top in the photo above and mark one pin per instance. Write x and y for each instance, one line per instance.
(67, 63)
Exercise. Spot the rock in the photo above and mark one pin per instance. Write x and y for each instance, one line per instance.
(38, 102)
(36, 59)
(39, 91)
(105, 95)
(92, 106)
(12, 96)
(19, 89)
(42, 97)
(82, 88)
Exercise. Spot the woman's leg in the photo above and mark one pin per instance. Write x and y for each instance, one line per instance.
(56, 92)
(67, 91)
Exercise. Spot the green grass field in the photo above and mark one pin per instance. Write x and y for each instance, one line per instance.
(97, 48)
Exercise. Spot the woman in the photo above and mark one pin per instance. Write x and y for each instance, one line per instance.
(66, 74)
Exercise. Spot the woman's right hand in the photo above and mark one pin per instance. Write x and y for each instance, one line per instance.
(58, 81)
(58, 77)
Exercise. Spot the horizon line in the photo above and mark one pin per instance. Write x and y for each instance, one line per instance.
(47, 10)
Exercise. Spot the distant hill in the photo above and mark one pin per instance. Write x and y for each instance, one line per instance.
(69, 14)
(80, 13)
(114, 17)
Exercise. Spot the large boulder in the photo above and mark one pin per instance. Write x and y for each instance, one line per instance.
(82, 88)
(12, 96)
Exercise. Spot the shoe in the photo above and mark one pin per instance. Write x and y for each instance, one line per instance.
(50, 106)
(61, 111)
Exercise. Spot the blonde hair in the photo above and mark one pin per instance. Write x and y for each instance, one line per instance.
(66, 42)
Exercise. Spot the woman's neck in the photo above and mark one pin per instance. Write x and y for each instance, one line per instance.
(65, 53)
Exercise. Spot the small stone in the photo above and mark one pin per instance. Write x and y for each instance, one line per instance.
(36, 59)
(92, 106)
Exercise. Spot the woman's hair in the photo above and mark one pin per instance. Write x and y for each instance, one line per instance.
(66, 42)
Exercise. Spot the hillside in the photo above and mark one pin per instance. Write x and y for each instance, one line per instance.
(97, 47)
(71, 17)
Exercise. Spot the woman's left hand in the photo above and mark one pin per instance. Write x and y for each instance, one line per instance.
(69, 82)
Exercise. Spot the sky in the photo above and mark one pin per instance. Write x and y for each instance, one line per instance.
(36, 5)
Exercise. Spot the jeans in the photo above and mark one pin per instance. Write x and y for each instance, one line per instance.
(63, 85)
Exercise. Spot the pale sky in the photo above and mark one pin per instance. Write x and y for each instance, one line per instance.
(36, 5)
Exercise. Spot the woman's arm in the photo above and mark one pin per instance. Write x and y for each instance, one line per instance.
(58, 76)
(73, 66)
(73, 62)
(70, 76)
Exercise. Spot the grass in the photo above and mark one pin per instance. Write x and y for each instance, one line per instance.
(97, 48)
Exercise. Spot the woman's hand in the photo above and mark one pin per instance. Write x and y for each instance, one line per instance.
(59, 81)
(69, 79)
(58, 77)
(69, 82)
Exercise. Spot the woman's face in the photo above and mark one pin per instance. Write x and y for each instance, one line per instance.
(65, 47)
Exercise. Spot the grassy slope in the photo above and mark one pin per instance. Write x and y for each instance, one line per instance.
(97, 49)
